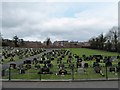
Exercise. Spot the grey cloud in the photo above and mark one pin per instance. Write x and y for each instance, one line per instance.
(34, 21)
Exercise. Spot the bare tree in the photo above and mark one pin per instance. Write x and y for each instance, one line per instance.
(112, 36)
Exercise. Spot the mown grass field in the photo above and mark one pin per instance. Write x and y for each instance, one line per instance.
(89, 74)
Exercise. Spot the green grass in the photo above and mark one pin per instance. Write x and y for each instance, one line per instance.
(81, 51)
(16, 58)
(90, 74)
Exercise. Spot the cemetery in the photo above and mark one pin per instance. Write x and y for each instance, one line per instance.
(59, 64)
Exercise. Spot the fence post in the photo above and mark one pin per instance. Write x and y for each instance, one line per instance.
(40, 76)
(106, 71)
(72, 71)
(9, 73)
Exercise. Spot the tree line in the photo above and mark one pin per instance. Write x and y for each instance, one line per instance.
(108, 42)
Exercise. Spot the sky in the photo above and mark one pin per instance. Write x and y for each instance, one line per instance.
(76, 21)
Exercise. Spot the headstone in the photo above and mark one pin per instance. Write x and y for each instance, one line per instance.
(3, 72)
(52, 58)
(45, 70)
(61, 66)
(118, 68)
(62, 72)
(76, 56)
(97, 60)
(80, 70)
(97, 69)
(118, 57)
(41, 62)
(13, 65)
(22, 71)
(86, 65)
(95, 64)
(37, 66)
(82, 64)
(11, 59)
(49, 65)
(109, 64)
(111, 69)
(28, 66)
(27, 62)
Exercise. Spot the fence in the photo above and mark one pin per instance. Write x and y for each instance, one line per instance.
(87, 73)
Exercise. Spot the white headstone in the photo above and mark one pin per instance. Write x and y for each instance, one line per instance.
(82, 64)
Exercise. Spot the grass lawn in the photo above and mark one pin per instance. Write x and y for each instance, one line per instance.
(89, 74)
(81, 51)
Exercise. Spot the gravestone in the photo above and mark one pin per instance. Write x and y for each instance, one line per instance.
(52, 58)
(22, 71)
(37, 66)
(111, 69)
(95, 64)
(28, 66)
(27, 62)
(21, 56)
(11, 59)
(45, 70)
(108, 64)
(97, 60)
(63, 72)
(69, 60)
(76, 56)
(79, 64)
(97, 69)
(118, 67)
(13, 65)
(3, 72)
(86, 65)
(118, 57)
(80, 70)
(49, 65)
(41, 62)
(61, 65)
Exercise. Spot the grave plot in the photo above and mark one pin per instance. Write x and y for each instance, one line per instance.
(70, 64)
(17, 54)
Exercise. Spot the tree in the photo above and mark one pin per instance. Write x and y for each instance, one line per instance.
(48, 42)
(109, 42)
(115, 40)
(0, 39)
(98, 42)
(92, 43)
(112, 36)
(15, 39)
(21, 42)
(118, 47)
(102, 40)
(108, 46)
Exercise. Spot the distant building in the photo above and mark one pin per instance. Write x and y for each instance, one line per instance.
(61, 43)
(74, 42)
(34, 44)
(86, 44)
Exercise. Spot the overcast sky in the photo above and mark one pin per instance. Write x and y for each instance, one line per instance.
(35, 21)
